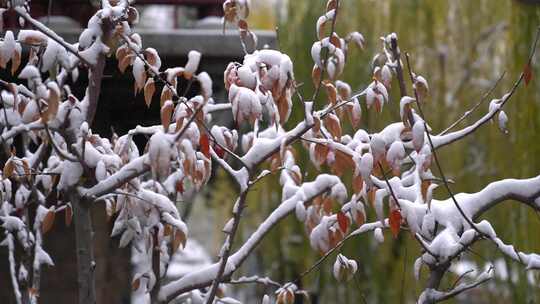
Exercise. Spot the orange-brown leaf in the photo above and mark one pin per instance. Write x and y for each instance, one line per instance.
(424, 187)
(9, 168)
(136, 284)
(167, 230)
(321, 152)
(333, 125)
(166, 94)
(180, 186)
(48, 222)
(204, 144)
(166, 112)
(15, 61)
(331, 92)
(360, 218)
(327, 205)
(395, 222)
(343, 221)
(342, 162)
(316, 75)
(357, 183)
(330, 5)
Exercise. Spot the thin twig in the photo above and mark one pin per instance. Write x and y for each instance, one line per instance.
(388, 184)
(461, 277)
(476, 106)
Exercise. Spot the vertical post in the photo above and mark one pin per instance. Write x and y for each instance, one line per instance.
(85, 250)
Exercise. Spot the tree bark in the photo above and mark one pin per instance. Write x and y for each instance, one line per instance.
(85, 251)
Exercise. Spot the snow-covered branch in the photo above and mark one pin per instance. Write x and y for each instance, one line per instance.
(204, 277)
(430, 296)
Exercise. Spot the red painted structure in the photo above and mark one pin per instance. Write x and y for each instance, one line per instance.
(82, 10)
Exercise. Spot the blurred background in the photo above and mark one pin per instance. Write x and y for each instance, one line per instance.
(460, 46)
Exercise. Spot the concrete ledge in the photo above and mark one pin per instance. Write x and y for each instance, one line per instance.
(178, 42)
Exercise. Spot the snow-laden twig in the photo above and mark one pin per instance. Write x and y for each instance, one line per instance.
(430, 296)
(131, 170)
(255, 280)
(475, 107)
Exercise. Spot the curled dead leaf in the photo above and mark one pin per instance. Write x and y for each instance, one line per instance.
(179, 239)
(332, 123)
(9, 168)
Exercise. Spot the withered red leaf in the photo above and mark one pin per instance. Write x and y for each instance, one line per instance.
(343, 221)
(204, 143)
(395, 222)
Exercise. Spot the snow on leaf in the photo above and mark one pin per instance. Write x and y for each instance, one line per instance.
(29, 72)
(192, 64)
(421, 86)
(206, 84)
(43, 257)
(357, 38)
(378, 147)
(503, 122)
(285, 296)
(139, 74)
(418, 135)
(344, 268)
(152, 56)
(417, 268)
(379, 236)
(159, 154)
(126, 238)
(31, 37)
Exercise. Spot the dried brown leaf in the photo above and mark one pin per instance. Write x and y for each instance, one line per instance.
(149, 90)
(48, 222)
